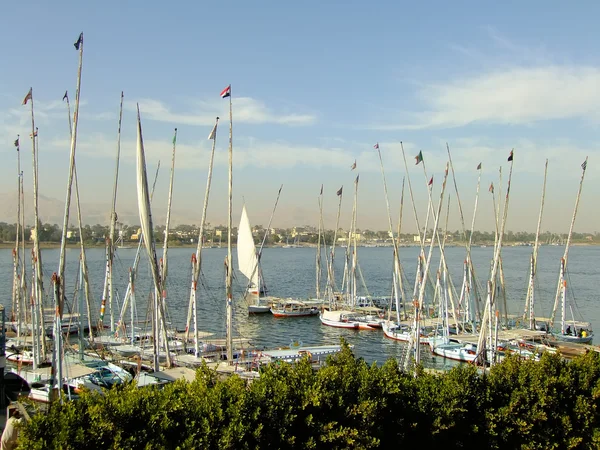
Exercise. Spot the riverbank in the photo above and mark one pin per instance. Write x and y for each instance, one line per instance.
(50, 245)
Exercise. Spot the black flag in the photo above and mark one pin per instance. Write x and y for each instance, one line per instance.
(79, 41)
(340, 191)
(17, 142)
(66, 96)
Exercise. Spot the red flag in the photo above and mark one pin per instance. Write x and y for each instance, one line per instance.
(353, 166)
(430, 182)
(226, 92)
(376, 146)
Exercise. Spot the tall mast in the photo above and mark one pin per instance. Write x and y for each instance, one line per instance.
(107, 290)
(330, 266)
(16, 294)
(529, 300)
(63, 241)
(168, 220)
(147, 229)
(129, 292)
(419, 300)
(38, 285)
(354, 247)
(228, 287)
(394, 241)
(397, 258)
(566, 255)
(84, 268)
(197, 257)
(24, 295)
(488, 312)
(113, 222)
(318, 255)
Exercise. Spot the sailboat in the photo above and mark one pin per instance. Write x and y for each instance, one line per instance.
(570, 331)
(249, 265)
(348, 314)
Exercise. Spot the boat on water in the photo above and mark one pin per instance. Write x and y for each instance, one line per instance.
(573, 331)
(249, 265)
(351, 319)
(296, 351)
(293, 308)
(403, 332)
(455, 351)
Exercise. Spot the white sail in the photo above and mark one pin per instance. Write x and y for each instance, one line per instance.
(144, 207)
(147, 230)
(246, 252)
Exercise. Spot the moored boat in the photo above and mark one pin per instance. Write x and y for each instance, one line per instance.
(293, 308)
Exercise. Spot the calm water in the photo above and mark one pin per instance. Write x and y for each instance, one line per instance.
(291, 273)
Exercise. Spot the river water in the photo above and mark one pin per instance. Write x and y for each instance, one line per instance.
(290, 272)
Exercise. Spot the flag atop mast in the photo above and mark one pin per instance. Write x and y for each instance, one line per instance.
(79, 41)
(28, 97)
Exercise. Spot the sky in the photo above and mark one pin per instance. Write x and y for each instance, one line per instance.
(315, 85)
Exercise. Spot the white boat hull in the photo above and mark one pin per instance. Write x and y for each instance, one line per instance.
(455, 351)
(258, 309)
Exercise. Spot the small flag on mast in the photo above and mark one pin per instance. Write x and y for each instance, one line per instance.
(510, 157)
(175, 137)
(321, 190)
(584, 165)
(28, 97)
(492, 188)
(79, 41)
(376, 146)
(356, 181)
(213, 133)
(430, 182)
(339, 192)
(353, 166)
(479, 166)
(226, 92)
(419, 158)
(17, 142)
(66, 96)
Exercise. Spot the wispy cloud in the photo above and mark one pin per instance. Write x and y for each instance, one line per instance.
(513, 96)
(246, 110)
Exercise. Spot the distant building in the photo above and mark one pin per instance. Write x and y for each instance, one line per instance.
(417, 238)
(136, 236)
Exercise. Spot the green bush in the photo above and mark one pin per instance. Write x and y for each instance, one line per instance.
(551, 404)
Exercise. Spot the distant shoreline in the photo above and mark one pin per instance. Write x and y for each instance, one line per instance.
(52, 245)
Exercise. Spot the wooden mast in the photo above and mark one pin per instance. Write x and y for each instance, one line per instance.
(197, 257)
(84, 269)
(530, 300)
(17, 275)
(229, 262)
(487, 314)
(566, 255)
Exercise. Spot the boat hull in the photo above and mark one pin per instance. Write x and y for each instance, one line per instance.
(258, 309)
(308, 313)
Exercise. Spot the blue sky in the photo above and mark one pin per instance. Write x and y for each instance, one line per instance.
(315, 86)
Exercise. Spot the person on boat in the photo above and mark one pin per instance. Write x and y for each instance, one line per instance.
(568, 330)
(584, 334)
(10, 435)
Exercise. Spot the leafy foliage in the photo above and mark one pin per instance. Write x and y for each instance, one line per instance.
(551, 404)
